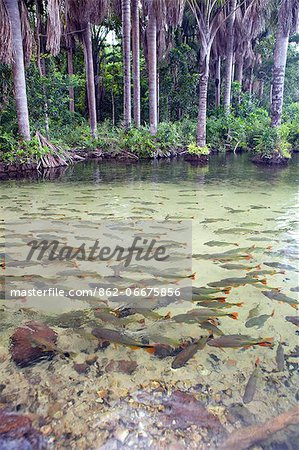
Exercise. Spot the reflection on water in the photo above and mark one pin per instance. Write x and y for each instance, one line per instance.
(178, 388)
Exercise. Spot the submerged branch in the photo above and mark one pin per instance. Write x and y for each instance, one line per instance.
(246, 437)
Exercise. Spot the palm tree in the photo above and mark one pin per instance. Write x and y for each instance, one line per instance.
(152, 69)
(79, 16)
(13, 22)
(229, 55)
(207, 15)
(126, 41)
(70, 47)
(136, 61)
(287, 18)
(249, 24)
(161, 14)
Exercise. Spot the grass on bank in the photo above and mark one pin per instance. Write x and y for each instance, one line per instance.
(224, 133)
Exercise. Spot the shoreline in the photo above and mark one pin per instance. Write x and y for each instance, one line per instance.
(13, 171)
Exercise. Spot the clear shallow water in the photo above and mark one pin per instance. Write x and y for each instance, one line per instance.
(233, 205)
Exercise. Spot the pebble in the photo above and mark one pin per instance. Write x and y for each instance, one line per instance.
(121, 434)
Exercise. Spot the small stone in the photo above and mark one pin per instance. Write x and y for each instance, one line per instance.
(81, 368)
(91, 359)
(102, 393)
(122, 366)
(121, 434)
(53, 409)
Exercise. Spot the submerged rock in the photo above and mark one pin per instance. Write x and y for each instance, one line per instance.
(24, 347)
(276, 159)
(81, 368)
(17, 433)
(122, 366)
(184, 409)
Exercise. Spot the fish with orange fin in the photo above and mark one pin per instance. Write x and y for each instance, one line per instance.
(188, 352)
(201, 315)
(279, 297)
(105, 334)
(236, 282)
(219, 304)
(200, 297)
(207, 291)
(239, 341)
(208, 313)
(231, 266)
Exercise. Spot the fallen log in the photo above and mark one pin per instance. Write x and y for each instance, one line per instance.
(248, 436)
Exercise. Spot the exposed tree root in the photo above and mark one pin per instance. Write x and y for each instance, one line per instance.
(246, 437)
(55, 157)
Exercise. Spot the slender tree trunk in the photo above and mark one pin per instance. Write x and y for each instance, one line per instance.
(229, 57)
(218, 82)
(239, 74)
(239, 70)
(70, 69)
(126, 37)
(136, 61)
(158, 95)
(202, 110)
(18, 69)
(261, 88)
(251, 79)
(113, 107)
(91, 97)
(278, 77)
(152, 71)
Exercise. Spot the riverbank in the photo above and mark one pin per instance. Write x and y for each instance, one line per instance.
(15, 170)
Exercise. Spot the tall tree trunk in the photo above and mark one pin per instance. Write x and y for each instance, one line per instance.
(126, 38)
(278, 77)
(113, 107)
(239, 74)
(152, 71)
(158, 96)
(70, 69)
(229, 57)
(251, 79)
(41, 61)
(136, 61)
(261, 89)
(18, 69)
(218, 82)
(90, 85)
(239, 69)
(202, 110)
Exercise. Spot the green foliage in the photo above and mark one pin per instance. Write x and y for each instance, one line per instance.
(193, 149)
(291, 117)
(18, 151)
(273, 141)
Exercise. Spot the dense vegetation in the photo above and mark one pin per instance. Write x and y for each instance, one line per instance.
(79, 79)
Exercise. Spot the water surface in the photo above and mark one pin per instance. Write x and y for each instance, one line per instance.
(232, 204)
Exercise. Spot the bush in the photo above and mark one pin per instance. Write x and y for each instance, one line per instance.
(193, 149)
(273, 141)
(291, 117)
(17, 151)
